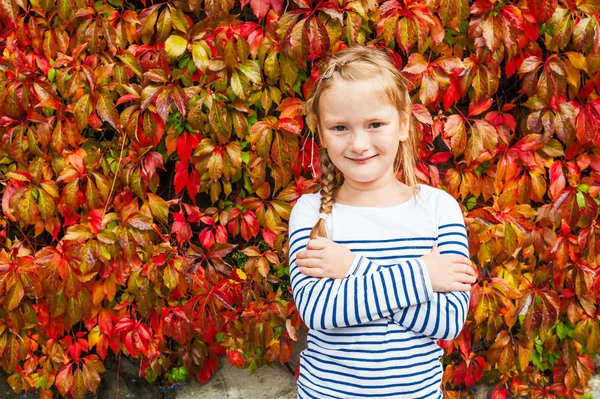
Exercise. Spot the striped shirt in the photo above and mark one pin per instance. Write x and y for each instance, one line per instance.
(373, 334)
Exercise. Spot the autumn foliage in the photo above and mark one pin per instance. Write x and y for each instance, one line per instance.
(150, 154)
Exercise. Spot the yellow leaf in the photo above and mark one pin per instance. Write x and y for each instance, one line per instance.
(175, 46)
(94, 336)
(578, 60)
(241, 274)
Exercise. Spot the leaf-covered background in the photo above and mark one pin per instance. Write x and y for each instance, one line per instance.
(151, 152)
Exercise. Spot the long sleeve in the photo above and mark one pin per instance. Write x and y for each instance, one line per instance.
(357, 299)
(444, 315)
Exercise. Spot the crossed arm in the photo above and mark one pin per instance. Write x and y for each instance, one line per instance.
(402, 292)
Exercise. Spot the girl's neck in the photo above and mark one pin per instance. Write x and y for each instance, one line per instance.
(393, 193)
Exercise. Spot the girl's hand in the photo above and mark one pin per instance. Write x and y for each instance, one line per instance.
(449, 272)
(325, 258)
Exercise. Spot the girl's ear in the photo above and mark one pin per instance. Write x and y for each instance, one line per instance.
(405, 127)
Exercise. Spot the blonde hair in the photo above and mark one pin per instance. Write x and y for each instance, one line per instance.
(358, 63)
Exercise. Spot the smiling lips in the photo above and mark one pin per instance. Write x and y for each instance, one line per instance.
(360, 160)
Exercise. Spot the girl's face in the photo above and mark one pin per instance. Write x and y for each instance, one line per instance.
(361, 131)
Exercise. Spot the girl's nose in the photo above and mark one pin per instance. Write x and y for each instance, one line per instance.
(360, 142)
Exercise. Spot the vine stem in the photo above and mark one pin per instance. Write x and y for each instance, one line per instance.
(112, 188)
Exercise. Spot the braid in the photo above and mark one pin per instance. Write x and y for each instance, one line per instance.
(328, 186)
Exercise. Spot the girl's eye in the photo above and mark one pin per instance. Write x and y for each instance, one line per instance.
(376, 125)
(339, 128)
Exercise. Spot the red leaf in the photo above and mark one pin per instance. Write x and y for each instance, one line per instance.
(210, 367)
(235, 358)
(221, 234)
(250, 226)
(260, 9)
(206, 237)
(269, 237)
(64, 379)
(557, 179)
(181, 227)
(152, 161)
(440, 157)
(476, 108)
(422, 114)
(542, 10)
(95, 219)
(185, 145)
(193, 184)
(181, 176)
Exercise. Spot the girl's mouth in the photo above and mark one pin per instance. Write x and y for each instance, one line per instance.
(360, 160)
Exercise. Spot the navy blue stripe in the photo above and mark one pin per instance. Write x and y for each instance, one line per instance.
(383, 359)
(437, 319)
(299, 231)
(413, 256)
(454, 233)
(374, 369)
(370, 394)
(435, 383)
(416, 316)
(453, 243)
(387, 297)
(387, 240)
(404, 283)
(391, 249)
(346, 301)
(325, 307)
(385, 377)
(334, 311)
(453, 252)
(345, 343)
(371, 350)
(356, 315)
(330, 333)
(314, 308)
(367, 299)
(414, 284)
(396, 295)
(426, 319)
(376, 302)
(452, 225)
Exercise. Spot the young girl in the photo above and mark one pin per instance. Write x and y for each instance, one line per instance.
(394, 275)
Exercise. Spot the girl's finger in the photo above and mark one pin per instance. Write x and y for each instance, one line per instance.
(312, 272)
(467, 279)
(316, 243)
(313, 254)
(464, 269)
(311, 263)
(461, 287)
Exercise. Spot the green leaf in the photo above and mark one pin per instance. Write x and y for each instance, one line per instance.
(27, 208)
(77, 232)
(158, 207)
(82, 111)
(15, 293)
(107, 111)
(175, 46)
(200, 54)
(46, 204)
(236, 85)
(130, 60)
(251, 70)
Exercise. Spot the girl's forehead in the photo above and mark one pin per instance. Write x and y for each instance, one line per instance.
(358, 93)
